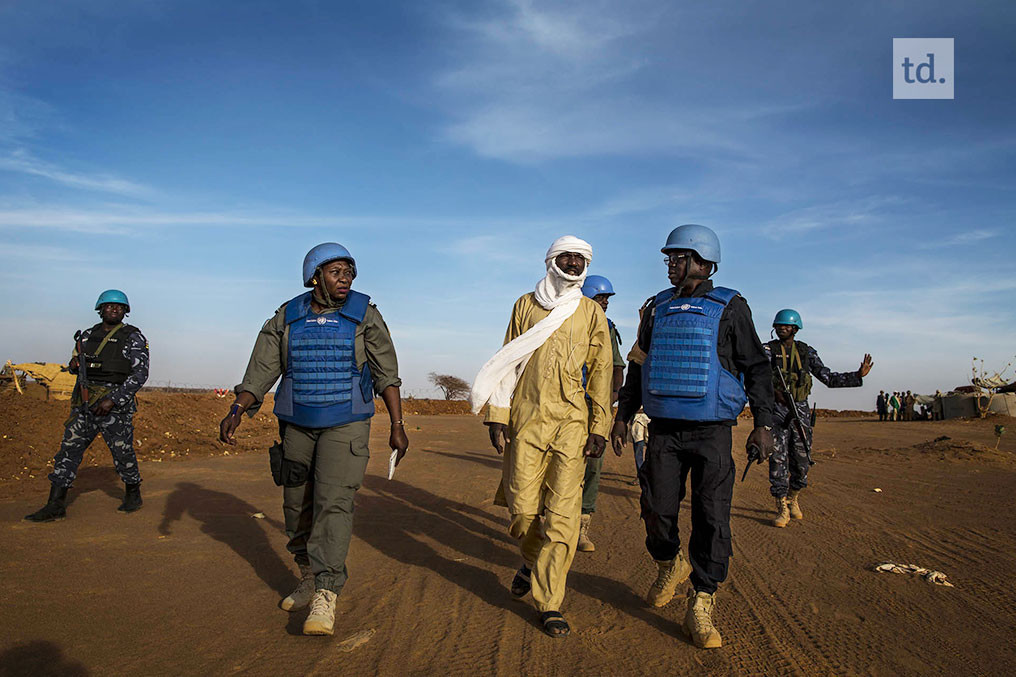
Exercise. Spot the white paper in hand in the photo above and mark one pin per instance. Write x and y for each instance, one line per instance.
(391, 463)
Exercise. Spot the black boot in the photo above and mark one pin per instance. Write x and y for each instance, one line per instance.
(131, 498)
(55, 508)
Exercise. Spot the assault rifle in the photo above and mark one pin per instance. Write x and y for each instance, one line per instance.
(754, 456)
(82, 373)
(797, 417)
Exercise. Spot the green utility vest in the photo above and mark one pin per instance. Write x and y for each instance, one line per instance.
(795, 371)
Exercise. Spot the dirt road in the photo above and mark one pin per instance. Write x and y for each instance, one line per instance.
(189, 585)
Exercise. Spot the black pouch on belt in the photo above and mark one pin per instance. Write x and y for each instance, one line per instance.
(275, 454)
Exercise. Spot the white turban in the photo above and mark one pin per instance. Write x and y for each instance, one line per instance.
(558, 292)
(558, 286)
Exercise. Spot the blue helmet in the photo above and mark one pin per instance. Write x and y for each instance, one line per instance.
(788, 316)
(699, 239)
(113, 296)
(596, 285)
(322, 254)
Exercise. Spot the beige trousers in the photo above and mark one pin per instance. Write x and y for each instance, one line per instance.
(548, 539)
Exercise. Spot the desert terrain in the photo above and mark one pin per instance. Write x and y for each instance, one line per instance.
(189, 585)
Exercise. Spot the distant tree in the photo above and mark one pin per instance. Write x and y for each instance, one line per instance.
(453, 387)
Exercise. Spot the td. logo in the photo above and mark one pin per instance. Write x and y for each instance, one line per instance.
(923, 68)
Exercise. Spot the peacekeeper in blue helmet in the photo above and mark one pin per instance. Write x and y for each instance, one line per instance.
(334, 353)
(115, 359)
(696, 361)
(796, 362)
(599, 289)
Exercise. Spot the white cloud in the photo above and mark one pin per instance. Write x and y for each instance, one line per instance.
(22, 162)
(968, 237)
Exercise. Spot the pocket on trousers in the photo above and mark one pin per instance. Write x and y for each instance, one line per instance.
(360, 448)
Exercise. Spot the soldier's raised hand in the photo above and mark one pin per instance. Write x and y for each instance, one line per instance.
(866, 365)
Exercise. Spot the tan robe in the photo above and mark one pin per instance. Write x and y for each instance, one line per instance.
(548, 425)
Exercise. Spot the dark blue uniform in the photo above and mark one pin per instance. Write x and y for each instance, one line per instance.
(117, 427)
(788, 464)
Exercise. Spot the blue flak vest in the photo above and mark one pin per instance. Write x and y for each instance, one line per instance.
(322, 387)
(682, 377)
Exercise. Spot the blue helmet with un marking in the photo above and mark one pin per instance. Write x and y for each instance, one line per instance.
(113, 296)
(596, 285)
(788, 316)
(699, 239)
(322, 254)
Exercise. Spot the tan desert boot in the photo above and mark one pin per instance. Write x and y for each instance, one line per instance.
(698, 621)
(671, 574)
(300, 597)
(794, 506)
(782, 518)
(585, 545)
(321, 619)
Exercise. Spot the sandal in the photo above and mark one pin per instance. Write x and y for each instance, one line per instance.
(554, 624)
(521, 584)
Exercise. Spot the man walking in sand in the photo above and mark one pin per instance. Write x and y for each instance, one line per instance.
(599, 289)
(539, 418)
(793, 364)
(696, 345)
(333, 351)
(114, 356)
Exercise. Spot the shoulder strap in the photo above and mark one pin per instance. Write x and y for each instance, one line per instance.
(722, 295)
(297, 307)
(108, 336)
(355, 307)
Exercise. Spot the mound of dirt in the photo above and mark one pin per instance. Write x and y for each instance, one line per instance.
(169, 426)
(946, 448)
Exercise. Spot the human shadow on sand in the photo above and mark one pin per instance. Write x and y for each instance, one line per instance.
(96, 478)
(393, 516)
(38, 659)
(227, 519)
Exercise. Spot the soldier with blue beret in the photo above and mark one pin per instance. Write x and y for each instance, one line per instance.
(696, 362)
(334, 353)
(798, 362)
(115, 357)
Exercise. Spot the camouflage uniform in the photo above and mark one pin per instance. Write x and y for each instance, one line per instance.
(788, 464)
(117, 427)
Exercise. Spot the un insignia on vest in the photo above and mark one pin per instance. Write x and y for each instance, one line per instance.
(322, 320)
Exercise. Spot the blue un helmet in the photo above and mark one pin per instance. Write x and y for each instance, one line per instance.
(113, 296)
(322, 254)
(699, 239)
(788, 316)
(596, 285)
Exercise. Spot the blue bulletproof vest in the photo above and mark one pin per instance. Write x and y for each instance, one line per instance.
(322, 387)
(682, 377)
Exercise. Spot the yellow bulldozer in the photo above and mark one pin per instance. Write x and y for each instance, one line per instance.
(58, 382)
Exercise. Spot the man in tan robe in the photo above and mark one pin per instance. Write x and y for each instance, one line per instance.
(548, 428)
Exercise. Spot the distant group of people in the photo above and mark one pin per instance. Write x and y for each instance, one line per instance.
(900, 406)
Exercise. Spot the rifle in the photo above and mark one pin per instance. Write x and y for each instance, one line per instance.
(754, 456)
(82, 373)
(797, 416)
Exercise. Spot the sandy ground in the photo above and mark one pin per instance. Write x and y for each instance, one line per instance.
(189, 585)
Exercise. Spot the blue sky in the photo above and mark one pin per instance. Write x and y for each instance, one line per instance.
(191, 152)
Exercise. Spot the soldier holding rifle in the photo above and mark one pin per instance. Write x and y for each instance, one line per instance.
(794, 363)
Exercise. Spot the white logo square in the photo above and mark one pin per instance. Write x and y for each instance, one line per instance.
(923, 68)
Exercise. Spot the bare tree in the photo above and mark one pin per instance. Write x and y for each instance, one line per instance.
(453, 387)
